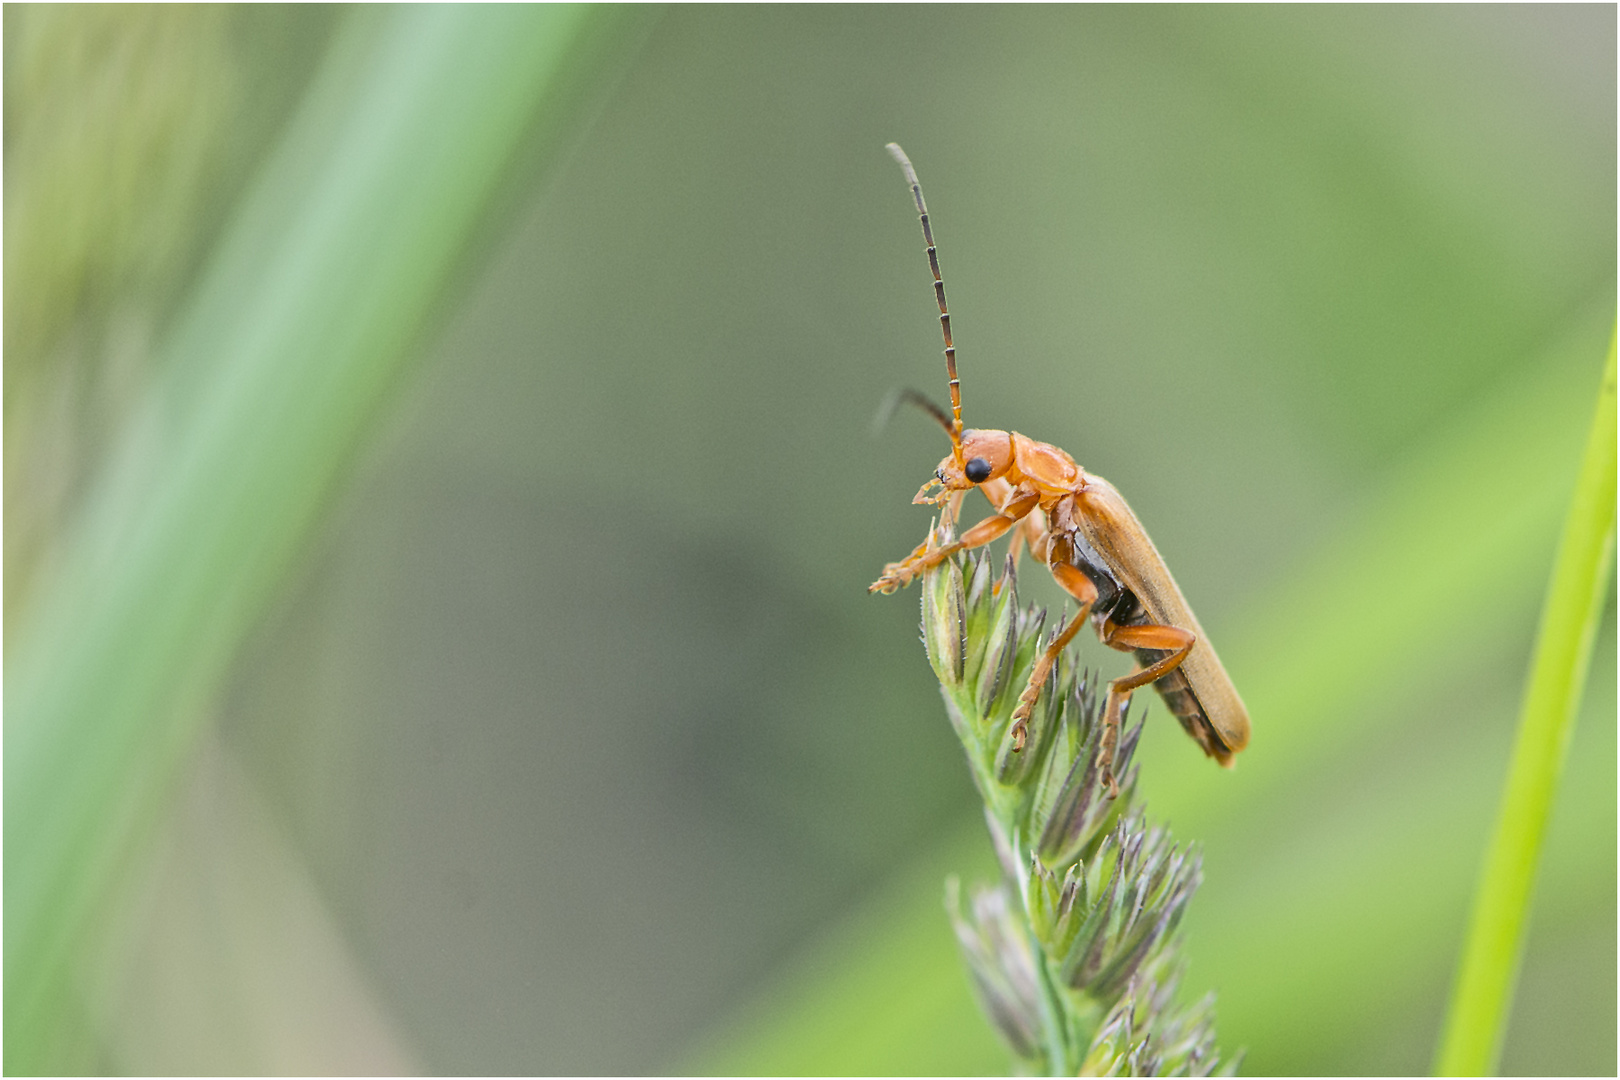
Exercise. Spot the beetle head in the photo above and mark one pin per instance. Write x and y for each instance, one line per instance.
(985, 455)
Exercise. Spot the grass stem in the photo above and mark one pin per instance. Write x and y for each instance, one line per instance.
(1471, 1042)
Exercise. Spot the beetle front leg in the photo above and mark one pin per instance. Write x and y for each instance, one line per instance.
(897, 575)
(1031, 527)
(892, 571)
(1173, 640)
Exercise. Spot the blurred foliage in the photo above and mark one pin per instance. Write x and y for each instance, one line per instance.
(287, 344)
(116, 119)
(573, 709)
(128, 130)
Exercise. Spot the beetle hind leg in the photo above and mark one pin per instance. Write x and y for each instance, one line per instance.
(1175, 642)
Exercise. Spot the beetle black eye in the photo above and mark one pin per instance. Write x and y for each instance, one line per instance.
(977, 470)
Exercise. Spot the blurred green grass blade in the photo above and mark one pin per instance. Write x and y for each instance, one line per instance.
(1484, 495)
(1472, 1039)
(296, 331)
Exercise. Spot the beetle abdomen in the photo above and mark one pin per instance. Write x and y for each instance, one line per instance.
(1179, 698)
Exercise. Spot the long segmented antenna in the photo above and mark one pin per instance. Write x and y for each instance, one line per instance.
(909, 396)
(939, 294)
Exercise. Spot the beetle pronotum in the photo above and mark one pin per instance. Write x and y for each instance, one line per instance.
(1083, 530)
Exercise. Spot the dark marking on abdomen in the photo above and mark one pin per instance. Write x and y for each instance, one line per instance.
(1178, 694)
(1179, 698)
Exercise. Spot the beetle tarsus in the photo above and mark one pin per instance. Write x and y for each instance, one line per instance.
(1113, 714)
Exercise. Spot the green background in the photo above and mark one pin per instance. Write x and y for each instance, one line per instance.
(560, 736)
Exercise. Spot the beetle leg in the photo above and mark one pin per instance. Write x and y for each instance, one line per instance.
(999, 491)
(900, 574)
(1038, 534)
(1080, 587)
(1033, 531)
(916, 553)
(1035, 527)
(1174, 641)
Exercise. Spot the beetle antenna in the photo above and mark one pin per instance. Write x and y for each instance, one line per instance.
(893, 400)
(955, 430)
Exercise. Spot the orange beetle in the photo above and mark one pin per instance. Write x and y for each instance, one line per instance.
(1082, 529)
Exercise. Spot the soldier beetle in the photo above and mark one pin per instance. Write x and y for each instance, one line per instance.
(1080, 526)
